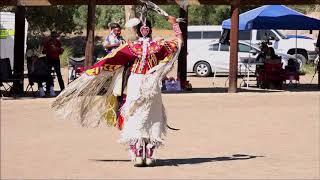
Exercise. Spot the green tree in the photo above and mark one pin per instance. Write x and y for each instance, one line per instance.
(7, 8)
(80, 16)
(104, 15)
(207, 14)
(160, 22)
(211, 14)
(51, 18)
(108, 14)
(200, 15)
(303, 8)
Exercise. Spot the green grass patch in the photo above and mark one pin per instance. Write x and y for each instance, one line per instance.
(68, 51)
(307, 69)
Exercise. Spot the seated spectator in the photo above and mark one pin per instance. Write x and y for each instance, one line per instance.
(292, 66)
(39, 72)
(271, 57)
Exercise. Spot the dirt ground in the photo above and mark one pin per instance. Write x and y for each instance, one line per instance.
(254, 134)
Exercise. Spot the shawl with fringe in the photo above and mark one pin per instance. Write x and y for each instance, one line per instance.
(87, 97)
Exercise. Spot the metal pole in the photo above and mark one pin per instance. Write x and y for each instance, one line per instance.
(249, 59)
(233, 66)
(296, 50)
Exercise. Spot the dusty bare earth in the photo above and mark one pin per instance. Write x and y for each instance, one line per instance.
(253, 134)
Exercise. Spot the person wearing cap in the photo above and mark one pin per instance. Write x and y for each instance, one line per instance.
(52, 48)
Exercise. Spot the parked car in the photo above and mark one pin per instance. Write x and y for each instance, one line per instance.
(214, 57)
(201, 35)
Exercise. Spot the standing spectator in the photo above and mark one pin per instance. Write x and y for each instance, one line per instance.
(263, 53)
(318, 63)
(52, 48)
(114, 39)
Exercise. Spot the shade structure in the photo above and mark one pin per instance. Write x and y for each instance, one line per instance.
(274, 17)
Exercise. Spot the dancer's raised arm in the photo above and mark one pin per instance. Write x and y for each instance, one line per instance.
(176, 28)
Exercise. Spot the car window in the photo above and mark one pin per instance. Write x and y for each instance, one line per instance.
(280, 34)
(211, 34)
(224, 47)
(213, 47)
(244, 35)
(243, 48)
(274, 36)
(263, 34)
(194, 35)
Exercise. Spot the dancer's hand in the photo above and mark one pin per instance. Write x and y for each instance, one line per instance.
(171, 19)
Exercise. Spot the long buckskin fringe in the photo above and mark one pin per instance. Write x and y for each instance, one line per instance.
(85, 98)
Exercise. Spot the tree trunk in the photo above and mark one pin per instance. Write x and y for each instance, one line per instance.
(130, 12)
(91, 19)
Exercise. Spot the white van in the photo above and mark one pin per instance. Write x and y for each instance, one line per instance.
(7, 21)
(202, 35)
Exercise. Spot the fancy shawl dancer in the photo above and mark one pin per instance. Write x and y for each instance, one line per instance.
(91, 98)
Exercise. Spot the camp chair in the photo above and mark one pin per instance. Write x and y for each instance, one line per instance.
(38, 72)
(75, 68)
(291, 72)
(6, 75)
(272, 75)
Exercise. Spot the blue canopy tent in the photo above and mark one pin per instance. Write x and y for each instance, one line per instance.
(274, 17)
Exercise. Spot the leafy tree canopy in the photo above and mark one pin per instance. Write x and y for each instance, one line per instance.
(67, 19)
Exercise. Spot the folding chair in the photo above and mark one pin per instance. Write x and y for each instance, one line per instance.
(75, 68)
(292, 72)
(6, 76)
(38, 72)
(272, 75)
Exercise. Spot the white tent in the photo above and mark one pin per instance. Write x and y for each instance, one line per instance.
(7, 31)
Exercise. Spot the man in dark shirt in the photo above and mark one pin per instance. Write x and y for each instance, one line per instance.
(52, 48)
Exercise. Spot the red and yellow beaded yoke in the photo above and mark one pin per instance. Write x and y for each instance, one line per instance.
(132, 52)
